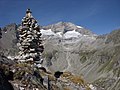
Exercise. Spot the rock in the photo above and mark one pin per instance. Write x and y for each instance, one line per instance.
(58, 74)
(5, 60)
(9, 39)
(4, 83)
(93, 56)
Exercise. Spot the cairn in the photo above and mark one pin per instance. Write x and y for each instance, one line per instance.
(30, 43)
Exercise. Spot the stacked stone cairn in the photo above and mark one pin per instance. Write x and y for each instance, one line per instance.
(30, 42)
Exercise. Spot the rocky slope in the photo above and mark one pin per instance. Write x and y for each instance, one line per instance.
(84, 53)
(72, 48)
(9, 39)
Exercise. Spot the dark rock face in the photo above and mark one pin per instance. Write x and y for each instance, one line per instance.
(38, 76)
(58, 74)
(4, 84)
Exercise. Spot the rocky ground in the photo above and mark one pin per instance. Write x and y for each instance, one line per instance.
(25, 76)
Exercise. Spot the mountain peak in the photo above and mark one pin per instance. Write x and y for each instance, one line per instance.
(67, 24)
(67, 28)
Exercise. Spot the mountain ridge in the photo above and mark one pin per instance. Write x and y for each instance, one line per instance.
(66, 26)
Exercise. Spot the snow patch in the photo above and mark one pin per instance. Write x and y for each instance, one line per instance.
(47, 32)
(90, 37)
(79, 27)
(72, 34)
(59, 34)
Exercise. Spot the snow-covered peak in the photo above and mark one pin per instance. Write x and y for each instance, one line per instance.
(67, 35)
(67, 30)
(72, 34)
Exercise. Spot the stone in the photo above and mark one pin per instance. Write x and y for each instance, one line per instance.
(29, 36)
(4, 83)
(21, 48)
(32, 49)
(18, 44)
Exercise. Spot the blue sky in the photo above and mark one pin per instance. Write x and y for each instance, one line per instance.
(100, 16)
